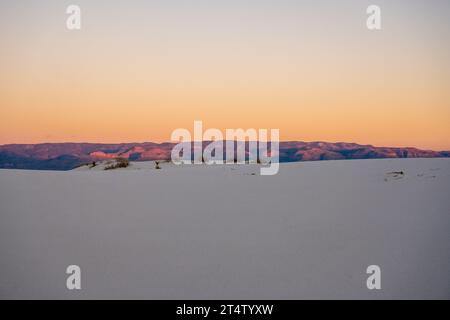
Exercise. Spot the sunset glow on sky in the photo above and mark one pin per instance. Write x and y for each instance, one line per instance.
(137, 70)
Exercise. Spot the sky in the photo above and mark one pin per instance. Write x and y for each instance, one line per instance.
(137, 70)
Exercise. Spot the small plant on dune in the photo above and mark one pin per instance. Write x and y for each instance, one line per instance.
(119, 163)
(394, 175)
(157, 165)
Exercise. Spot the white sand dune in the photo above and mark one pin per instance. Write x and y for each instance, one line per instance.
(219, 232)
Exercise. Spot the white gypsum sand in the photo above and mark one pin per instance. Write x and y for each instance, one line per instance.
(219, 232)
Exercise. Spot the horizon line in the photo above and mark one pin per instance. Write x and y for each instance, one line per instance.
(170, 142)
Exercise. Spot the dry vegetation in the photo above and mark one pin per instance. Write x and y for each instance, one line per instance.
(118, 163)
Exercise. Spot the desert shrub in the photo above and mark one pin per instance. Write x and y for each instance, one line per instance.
(119, 163)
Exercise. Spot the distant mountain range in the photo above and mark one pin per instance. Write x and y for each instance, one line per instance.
(66, 156)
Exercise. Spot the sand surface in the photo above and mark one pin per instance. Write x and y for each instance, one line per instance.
(219, 232)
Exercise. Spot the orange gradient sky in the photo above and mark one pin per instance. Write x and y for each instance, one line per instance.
(137, 70)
